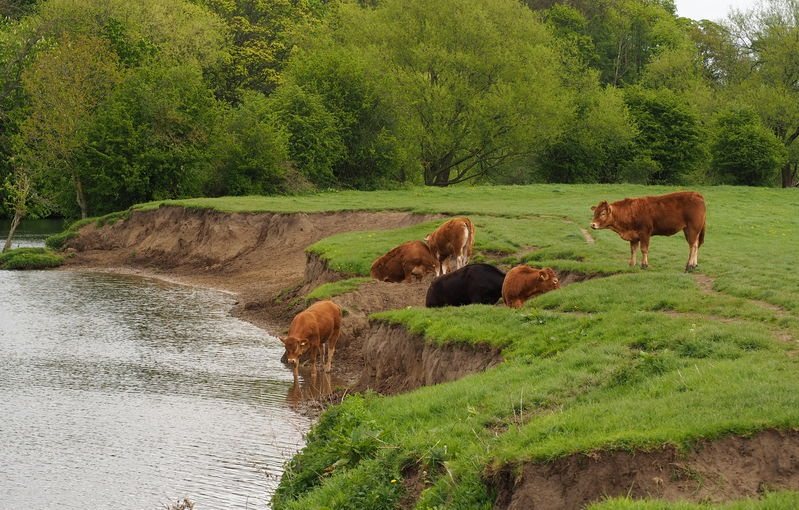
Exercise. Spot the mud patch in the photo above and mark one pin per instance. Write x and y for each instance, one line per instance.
(713, 471)
(569, 277)
(705, 284)
(396, 361)
(587, 236)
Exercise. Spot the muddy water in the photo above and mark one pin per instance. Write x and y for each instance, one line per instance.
(123, 392)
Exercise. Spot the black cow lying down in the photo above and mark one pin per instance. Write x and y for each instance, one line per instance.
(475, 283)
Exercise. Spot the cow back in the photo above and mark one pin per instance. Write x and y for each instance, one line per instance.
(452, 237)
(660, 214)
(475, 283)
(403, 261)
(318, 322)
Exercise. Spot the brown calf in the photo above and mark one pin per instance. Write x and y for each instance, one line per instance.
(408, 261)
(451, 244)
(317, 325)
(638, 219)
(523, 282)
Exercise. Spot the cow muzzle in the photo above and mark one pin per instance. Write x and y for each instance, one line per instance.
(594, 226)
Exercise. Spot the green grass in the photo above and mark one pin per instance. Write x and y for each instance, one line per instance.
(30, 258)
(772, 501)
(633, 360)
(57, 241)
(329, 290)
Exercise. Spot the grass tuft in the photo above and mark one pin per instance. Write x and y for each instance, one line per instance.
(30, 258)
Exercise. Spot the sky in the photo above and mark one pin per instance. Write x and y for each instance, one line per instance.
(713, 10)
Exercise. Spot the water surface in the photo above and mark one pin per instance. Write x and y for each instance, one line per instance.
(123, 392)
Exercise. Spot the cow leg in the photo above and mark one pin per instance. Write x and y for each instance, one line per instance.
(329, 365)
(314, 352)
(633, 249)
(644, 252)
(331, 348)
(693, 249)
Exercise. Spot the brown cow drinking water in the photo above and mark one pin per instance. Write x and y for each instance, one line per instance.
(317, 325)
(638, 219)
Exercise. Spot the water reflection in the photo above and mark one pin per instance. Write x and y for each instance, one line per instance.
(309, 389)
(30, 233)
(117, 391)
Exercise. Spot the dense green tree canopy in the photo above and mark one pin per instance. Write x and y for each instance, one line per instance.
(105, 99)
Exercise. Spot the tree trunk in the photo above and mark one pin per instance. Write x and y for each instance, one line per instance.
(14, 224)
(81, 198)
(789, 175)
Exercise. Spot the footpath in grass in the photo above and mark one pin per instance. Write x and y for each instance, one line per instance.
(632, 360)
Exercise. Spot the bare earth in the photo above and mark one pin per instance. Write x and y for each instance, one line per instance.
(261, 259)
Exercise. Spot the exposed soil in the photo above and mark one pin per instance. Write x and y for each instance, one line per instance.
(713, 471)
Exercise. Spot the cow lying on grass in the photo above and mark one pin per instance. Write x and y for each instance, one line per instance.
(523, 282)
(638, 219)
(451, 244)
(312, 329)
(409, 261)
(475, 283)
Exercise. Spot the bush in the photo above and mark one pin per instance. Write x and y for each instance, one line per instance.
(30, 258)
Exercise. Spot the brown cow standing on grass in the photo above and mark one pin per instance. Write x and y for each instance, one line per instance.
(523, 282)
(638, 219)
(408, 261)
(451, 244)
(317, 326)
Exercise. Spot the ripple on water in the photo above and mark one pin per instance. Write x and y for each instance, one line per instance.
(124, 392)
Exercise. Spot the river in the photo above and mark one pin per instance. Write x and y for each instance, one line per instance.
(129, 393)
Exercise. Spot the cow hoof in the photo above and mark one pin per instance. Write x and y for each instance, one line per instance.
(644, 266)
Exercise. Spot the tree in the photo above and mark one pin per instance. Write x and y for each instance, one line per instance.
(598, 143)
(249, 151)
(66, 85)
(744, 151)
(769, 38)
(475, 84)
(151, 139)
(263, 34)
(17, 189)
(340, 118)
(669, 133)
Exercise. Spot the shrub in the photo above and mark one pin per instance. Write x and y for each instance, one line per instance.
(30, 258)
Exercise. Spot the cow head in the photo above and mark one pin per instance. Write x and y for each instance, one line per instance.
(602, 215)
(548, 279)
(295, 347)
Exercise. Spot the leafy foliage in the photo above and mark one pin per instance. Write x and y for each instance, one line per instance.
(744, 151)
(30, 258)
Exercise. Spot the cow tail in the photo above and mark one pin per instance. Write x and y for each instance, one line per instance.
(470, 228)
(702, 235)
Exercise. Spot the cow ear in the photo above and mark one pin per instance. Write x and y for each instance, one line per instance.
(282, 340)
(543, 275)
(593, 208)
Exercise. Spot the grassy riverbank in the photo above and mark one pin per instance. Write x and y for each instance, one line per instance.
(625, 360)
